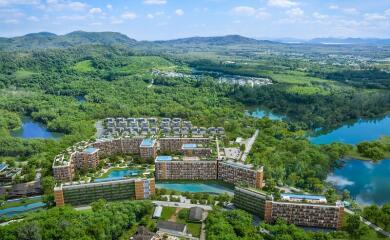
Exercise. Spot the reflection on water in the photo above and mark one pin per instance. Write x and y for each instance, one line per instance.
(367, 182)
(31, 129)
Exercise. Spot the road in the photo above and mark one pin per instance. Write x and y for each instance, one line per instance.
(370, 224)
(99, 129)
(182, 205)
(249, 144)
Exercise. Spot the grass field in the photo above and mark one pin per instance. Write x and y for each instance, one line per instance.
(167, 213)
(142, 64)
(84, 66)
(23, 74)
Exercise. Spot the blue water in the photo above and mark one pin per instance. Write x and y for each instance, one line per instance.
(196, 187)
(21, 209)
(363, 130)
(367, 182)
(258, 113)
(31, 129)
(118, 175)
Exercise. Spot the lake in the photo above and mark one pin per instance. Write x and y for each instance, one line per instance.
(366, 181)
(31, 129)
(259, 113)
(212, 188)
(360, 131)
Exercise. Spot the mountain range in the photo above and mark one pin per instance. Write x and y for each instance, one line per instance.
(51, 40)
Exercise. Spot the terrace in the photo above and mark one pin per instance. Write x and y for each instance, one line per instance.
(147, 143)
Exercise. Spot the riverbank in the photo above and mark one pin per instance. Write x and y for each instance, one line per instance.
(385, 149)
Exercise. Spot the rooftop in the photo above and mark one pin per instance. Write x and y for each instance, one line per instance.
(90, 150)
(147, 142)
(171, 226)
(292, 196)
(189, 146)
(196, 214)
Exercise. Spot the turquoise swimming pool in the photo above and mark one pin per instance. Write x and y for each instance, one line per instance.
(9, 212)
(212, 188)
(119, 174)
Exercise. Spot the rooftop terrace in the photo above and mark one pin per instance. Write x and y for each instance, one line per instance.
(147, 142)
(163, 158)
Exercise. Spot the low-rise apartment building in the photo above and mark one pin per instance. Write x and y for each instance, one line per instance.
(241, 174)
(304, 213)
(81, 194)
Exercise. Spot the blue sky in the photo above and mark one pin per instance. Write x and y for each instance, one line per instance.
(168, 19)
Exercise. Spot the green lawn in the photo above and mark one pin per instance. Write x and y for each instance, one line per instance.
(23, 74)
(167, 213)
(84, 66)
(194, 229)
(142, 64)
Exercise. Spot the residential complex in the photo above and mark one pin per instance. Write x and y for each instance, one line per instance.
(303, 210)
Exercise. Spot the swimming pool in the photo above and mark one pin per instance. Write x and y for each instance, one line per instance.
(21, 209)
(213, 188)
(119, 174)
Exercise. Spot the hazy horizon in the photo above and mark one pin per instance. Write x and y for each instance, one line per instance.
(172, 19)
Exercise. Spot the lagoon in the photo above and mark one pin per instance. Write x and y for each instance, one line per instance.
(31, 129)
(367, 182)
(360, 131)
(212, 188)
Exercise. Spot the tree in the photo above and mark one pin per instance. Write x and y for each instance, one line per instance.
(48, 184)
(98, 205)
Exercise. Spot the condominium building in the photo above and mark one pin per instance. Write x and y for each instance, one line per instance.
(86, 159)
(195, 150)
(175, 144)
(168, 169)
(242, 174)
(299, 213)
(63, 168)
(81, 194)
(148, 149)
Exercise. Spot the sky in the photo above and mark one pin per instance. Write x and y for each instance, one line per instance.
(170, 19)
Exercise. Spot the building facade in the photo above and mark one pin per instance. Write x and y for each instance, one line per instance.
(298, 213)
(81, 194)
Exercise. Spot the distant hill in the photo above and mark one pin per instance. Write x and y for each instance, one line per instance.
(359, 41)
(219, 40)
(51, 40)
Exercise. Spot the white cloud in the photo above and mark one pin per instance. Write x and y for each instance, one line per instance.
(350, 10)
(33, 19)
(282, 3)
(155, 2)
(116, 21)
(109, 6)
(387, 12)
(150, 16)
(11, 21)
(374, 17)
(250, 11)
(95, 10)
(333, 7)
(179, 12)
(18, 2)
(72, 17)
(295, 12)
(60, 5)
(318, 15)
(129, 16)
(244, 10)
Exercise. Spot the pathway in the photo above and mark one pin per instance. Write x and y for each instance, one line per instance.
(249, 144)
(370, 224)
(99, 129)
(182, 205)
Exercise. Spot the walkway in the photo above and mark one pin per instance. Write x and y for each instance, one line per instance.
(99, 129)
(182, 205)
(370, 224)
(249, 144)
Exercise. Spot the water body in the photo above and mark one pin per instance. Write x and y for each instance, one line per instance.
(21, 209)
(259, 113)
(367, 182)
(119, 174)
(362, 130)
(80, 99)
(196, 187)
(31, 129)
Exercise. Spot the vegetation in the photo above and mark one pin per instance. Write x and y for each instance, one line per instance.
(380, 216)
(107, 222)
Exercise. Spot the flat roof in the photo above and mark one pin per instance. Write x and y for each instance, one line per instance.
(147, 142)
(304, 196)
(163, 158)
(90, 150)
(189, 146)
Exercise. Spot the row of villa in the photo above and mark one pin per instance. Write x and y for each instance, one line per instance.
(154, 126)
